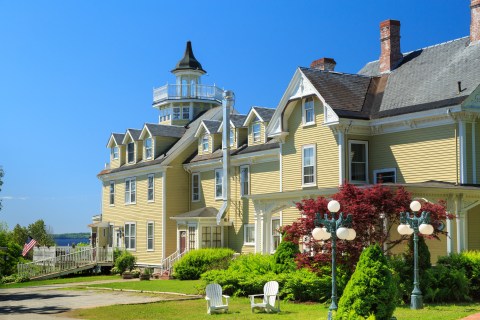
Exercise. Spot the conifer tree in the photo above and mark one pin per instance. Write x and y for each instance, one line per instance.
(371, 289)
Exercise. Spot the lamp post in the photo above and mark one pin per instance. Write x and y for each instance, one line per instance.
(411, 223)
(333, 228)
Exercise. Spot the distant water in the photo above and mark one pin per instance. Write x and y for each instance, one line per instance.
(69, 241)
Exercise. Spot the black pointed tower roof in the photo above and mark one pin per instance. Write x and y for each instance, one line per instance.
(188, 62)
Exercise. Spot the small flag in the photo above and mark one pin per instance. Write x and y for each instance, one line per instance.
(28, 245)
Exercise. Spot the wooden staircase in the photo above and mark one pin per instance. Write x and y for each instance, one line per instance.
(80, 259)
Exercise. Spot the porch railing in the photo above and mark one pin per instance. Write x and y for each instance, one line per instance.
(167, 263)
(187, 91)
(78, 257)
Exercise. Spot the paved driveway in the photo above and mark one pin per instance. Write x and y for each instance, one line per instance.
(47, 302)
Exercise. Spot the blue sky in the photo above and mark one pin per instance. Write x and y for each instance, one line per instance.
(72, 72)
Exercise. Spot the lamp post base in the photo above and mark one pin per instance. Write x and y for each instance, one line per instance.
(330, 316)
(416, 302)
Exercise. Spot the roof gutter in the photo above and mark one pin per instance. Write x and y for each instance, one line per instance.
(227, 104)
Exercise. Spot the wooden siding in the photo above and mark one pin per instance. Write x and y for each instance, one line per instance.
(419, 155)
(140, 212)
(242, 136)
(200, 147)
(162, 144)
(326, 150)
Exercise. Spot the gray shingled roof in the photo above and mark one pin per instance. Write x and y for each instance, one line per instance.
(118, 137)
(135, 133)
(212, 125)
(340, 90)
(166, 130)
(243, 149)
(238, 120)
(265, 113)
(428, 78)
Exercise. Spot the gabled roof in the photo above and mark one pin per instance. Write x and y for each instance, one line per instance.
(188, 62)
(262, 113)
(206, 212)
(428, 78)
(237, 120)
(161, 130)
(115, 139)
(211, 126)
(134, 134)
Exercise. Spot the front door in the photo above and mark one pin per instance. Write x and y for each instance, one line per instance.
(183, 241)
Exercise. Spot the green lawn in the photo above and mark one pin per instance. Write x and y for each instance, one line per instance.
(187, 286)
(58, 281)
(240, 309)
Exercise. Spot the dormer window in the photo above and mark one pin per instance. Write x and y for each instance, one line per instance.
(205, 143)
(232, 137)
(308, 111)
(130, 152)
(148, 148)
(114, 153)
(256, 132)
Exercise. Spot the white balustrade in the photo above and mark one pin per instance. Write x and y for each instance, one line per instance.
(187, 91)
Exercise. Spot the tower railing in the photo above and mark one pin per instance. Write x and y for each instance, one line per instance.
(187, 91)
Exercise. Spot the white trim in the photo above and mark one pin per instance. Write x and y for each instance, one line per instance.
(217, 197)
(151, 148)
(242, 192)
(153, 235)
(365, 143)
(304, 111)
(110, 193)
(259, 131)
(202, 143)
(375, 172)
(462, 135)
(249, 225)
(281, 166)
(314, 155)
(341, 157)
(249, 116)
(133, 172)
(153, 187)
(199, 186)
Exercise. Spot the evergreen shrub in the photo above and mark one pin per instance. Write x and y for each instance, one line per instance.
(195, 262)
(443, 284)
(284, 256)
(469, 261)
(371, 289)
(125, 261)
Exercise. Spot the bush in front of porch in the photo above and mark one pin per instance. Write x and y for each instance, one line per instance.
(196, 262)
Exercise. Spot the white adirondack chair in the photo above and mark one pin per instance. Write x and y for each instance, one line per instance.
(214, 298)
(270, 300)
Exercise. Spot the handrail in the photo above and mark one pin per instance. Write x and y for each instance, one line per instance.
(78, 258)
(187, 91)
(168, 262)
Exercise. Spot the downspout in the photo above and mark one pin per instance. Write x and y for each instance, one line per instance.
(227, 104)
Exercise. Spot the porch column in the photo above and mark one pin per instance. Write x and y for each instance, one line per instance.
(258, 231)
(462, 133)
(450, 208)
(341, 157)
(460, 224)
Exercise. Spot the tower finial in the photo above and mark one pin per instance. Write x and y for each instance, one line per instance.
(188, 62)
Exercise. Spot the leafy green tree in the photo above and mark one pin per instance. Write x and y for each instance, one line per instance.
(39, 231)
(284, 256)
(19, 234)
(10, 252)
(371, 289)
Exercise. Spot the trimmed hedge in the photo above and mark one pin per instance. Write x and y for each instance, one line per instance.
(196, 262)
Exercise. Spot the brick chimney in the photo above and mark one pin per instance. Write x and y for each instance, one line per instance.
(475, 21)
(390, 54)
(325, 64)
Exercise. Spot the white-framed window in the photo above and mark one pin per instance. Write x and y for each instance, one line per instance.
(130, 235)
(276, 235)
(130, 191)
(164, 114)
(185, 113)
(244, 180)
(150, 235)
(218, 184)
(249, 234)
(176, 113)
(256, 132)
(131, 152)
(205, 143)
(148, 148)
(211, 237)
(232, 137)
(308, 111)
(195, 187)
(191, 238)
(309, 165)
(388, 175)
(112, 193)
(115, 153)
(358, 151)
(150, 187)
